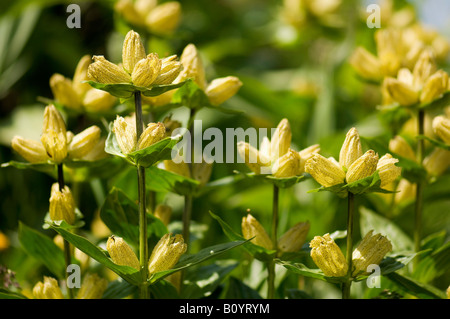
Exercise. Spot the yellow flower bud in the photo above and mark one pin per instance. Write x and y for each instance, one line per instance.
(326, 172)
(49, 289)
(80, 76)
(97, 152)
(181, 168)
(125, 133)
(441, 127)
(221, 89)
(146, 70)
(252, 157)
(370, 251)
(103, 71)
(405, 191)
(401, 92)
(437, 162)
(305, 155)
(363, 167)
(294, 238)
(92, 287)
(281, 140)
(192, 66)
(159, 100)
(84, 142)
(32, 151)
(171, 125)
(423, 69)
(128, 10)
(165, 18)
(98, 101)
(153, 133)
(400, 146)
(202, 172)
(287, 165)
(63, 92)
(366, 64)
(251, 228)
(434, 87)
(387, 170)
(170, 69)
(328, 256)
(54, 134)
(166, 253)
(132, 51)
(145, 6)
(62, 204)
(351, 149)
(163, 212)
(121, 253)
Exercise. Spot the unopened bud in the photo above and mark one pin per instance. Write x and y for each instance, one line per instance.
(251, 228)
(281, 140)
(80, 76)
(370, 251)
(163, 212)
(305, 155)
(98, 101)
(405, 191)
(252, 157)
(180, 168)
(387, 170)
(363, 167)
(437, 162)
(32, 151)
(434, 87)
(351, 149)
(400, 146)
(63, 92)
(165, 18)
(401, 92)
(49, 289)
(128, 10)
(326, 172)
(287, 165)
(84, 142)
(441, 127)
(202, 172)
(366, 64)
(132, 51)
(294, 238)
(170, 69)
(103, 71)
(62, 204)
(327, 255)
(146, 70)
(154, 132)
(125, 135)
(423, 69)
(54, 134)
(221, 89)
(166, 253)
(92, 287)
(121, 253)
(192, 66)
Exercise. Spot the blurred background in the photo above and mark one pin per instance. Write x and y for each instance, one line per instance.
(292, 64)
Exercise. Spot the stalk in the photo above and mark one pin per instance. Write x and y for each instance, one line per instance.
(67, 254)
(274, 235)
(351, 208)
(143, 247)
(419, 190)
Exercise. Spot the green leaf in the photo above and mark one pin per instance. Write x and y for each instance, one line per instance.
(119, 289)
(194, 259)
(130, 274)
(43, 249)
(280, 182)
(415, 287)
(127, 90)
(435, 142)
(433, 265)
(301, 269)
(48, 168)
(201, 282)
(238, 290)
(163, 289)
(256, 251)
(5, 294)
(121, 215)
(162, 180)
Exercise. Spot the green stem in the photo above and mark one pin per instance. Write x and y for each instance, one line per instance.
(351, 208)
(274, 237)
(419, 190)
(67, 254)
(143, 246)
(187, 213)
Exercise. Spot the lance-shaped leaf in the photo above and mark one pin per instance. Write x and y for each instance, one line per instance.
(127, 90)
(161, 179)
(256, 251)
(130, 274)
(189, 260)
(435, 142)
(280, 182)
(301, 269)
(416, 288)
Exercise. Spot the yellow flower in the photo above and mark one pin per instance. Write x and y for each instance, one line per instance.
(32, 151)
(305, 155)
(132, 51)
(153, 133)
(370, 251)
(252, 157)
(437, 162)
(121, 253)
(165, 18)
(441, 127)
(387, 170)
(287, 165)
(84, 142)
(281, 140)
(146, 70)
(328, 256)
(362, 167)
(125, 132)
(251, 228)
(92, 287)
(221, 89)
(54, 134)
(62, 204)
(400, 146)
(49, 289)
(103, 71)
(181, 168)
(166, 253)
(351, 149)
(170, 69)
(325, 171)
